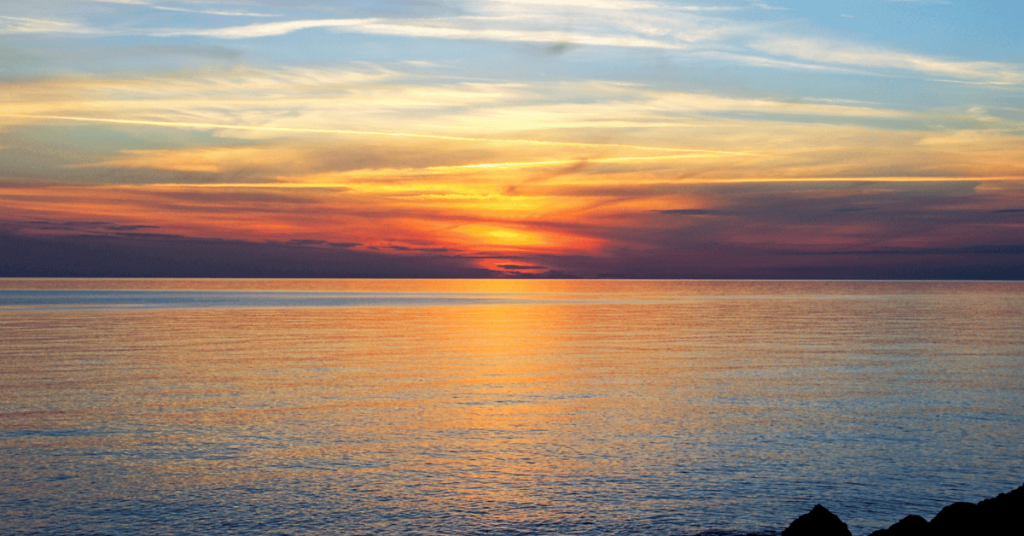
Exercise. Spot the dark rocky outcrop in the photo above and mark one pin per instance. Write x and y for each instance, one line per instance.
(908, 526)
(1003, 514)
(1000, 516)
(955, 520)
(818, 522)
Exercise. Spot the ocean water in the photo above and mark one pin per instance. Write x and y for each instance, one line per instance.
(501, 407)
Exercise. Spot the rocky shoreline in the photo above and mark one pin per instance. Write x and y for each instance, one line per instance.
(998, 516)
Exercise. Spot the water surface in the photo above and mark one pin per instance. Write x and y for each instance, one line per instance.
(501, 407)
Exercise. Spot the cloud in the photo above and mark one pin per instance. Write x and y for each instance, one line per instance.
(692, 212)
(429, 29)
(833, 52)
(644, 25)
(266, 29)
(166, 255)
(683, 102)
(688, 31)
(18, 25)
(214, 12)
(84, 226)
(613, 5)
(208, 160)
(678, 136)
(296, 242)
(520, 267)
(642, 226)
(673, 163)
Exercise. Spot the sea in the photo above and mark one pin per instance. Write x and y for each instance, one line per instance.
(501, 407)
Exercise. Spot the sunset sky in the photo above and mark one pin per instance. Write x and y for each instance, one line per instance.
(519, 138)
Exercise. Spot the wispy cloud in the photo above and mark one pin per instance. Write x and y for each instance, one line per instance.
(833, 52)
(214, 12)
(368, 101)
(613, 5)
(266, 29)
(127, 2)
(685, 31)
(689, 30)
(694, 134)
(17, 25)
(447, 29)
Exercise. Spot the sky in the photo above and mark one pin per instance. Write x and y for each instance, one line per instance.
(860, 139)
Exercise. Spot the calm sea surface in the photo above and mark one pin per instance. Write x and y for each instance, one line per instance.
(501, 407)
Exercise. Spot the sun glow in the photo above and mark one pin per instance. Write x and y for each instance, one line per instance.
(503, 236)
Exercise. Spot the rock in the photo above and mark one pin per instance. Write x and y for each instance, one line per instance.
(908, 526)
(1003, 514)
(955, 520)
(818, 522)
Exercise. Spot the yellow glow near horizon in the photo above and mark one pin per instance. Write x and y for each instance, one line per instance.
(502, 236)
